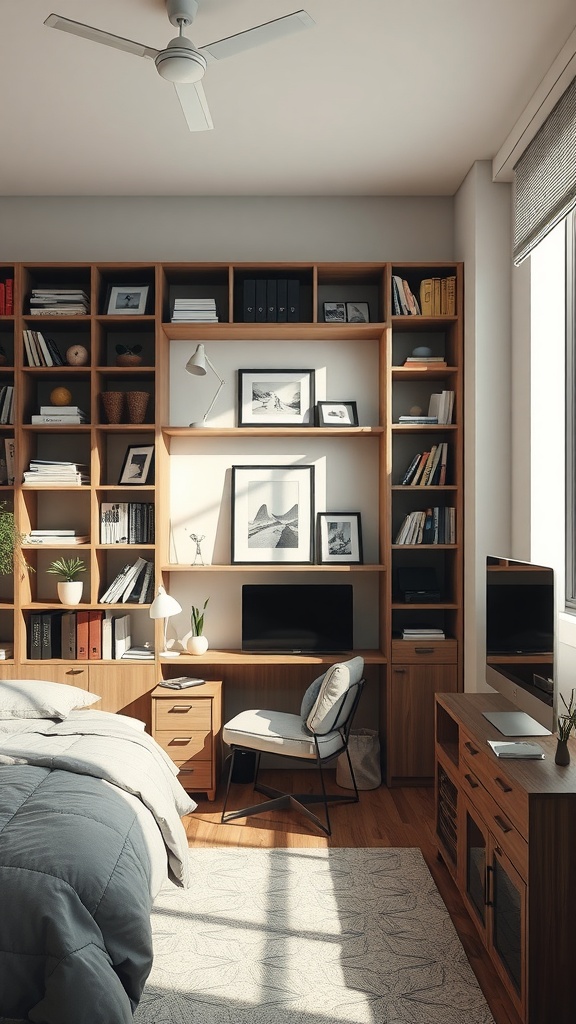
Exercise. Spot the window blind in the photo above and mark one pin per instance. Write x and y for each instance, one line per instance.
(545, 177)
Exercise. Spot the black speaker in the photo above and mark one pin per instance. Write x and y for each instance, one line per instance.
(418, 583)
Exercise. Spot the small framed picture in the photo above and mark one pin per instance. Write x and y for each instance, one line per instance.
(275, 398)
(127, 299)
(357, 313)
(336, 414)
(335, 312)
(339, 537)
(137, 465)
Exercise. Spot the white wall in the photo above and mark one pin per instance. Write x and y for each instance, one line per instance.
(228, 229)
(483, 242)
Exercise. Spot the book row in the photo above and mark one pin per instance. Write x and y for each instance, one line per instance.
(7, 296)
(87, 634)
(40, 351)
(127, 522)
(428, 526)
(7, 403)
(429, 468)
(134, 583)
(271, 300)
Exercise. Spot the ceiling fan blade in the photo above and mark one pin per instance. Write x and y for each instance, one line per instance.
(77, 28)
(252, 37)
(194, 105)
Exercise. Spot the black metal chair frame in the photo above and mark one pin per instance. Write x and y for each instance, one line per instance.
(298, 801)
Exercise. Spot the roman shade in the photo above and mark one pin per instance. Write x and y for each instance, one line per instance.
(545, 177)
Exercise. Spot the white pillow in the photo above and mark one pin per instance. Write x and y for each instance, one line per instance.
(38, 698)
(331, 693)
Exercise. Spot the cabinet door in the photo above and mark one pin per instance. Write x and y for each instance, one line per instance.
(125, 689)
(475, 880)
(411, 718)
(507, 923)
(72, 675)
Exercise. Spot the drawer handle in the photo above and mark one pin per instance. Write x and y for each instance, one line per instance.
(472, 750)
(423, 650)
(471, 781)
(181, 740)
(181, 709)
(503, 785)
(503, 825)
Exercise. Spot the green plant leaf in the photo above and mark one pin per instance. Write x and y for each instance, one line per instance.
(67, 568)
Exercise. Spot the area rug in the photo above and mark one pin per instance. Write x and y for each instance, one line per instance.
(308, 936)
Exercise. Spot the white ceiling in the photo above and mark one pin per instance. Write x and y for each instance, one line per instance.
(379, 98)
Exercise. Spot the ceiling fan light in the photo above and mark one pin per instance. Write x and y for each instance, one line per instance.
(180, 64)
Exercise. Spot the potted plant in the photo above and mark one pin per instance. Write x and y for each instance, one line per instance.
(196, 642)
(566, 722)
(10, 543)
(128, 355)
(69, 588)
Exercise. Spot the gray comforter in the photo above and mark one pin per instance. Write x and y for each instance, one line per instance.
(77, 866)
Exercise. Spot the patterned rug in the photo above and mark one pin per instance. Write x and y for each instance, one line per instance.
(308, 936)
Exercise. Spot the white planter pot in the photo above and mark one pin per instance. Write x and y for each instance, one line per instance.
(197, 645)
(70, 593)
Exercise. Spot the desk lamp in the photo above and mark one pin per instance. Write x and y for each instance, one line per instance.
(162, 607)
(196, 365)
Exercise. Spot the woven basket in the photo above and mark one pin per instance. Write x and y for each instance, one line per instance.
(137, 402)
(113, 404)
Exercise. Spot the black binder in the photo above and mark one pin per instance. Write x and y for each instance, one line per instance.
(261, 296)
(249, 301)
(293, 300)
(271, 300)
(281, 300)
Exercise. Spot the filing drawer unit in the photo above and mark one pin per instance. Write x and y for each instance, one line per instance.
(188, 724)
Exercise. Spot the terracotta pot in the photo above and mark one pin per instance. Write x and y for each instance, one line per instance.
(128, 359)
(137, 402)
(113, 403)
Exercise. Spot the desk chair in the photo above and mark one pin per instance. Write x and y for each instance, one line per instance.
(317, 735)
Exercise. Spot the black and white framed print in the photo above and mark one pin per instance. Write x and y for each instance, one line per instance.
(336, 414)
(127, 299)
(272, 514)
(335, 312)
(357, 313)
(137, 466)
(275, 398)
(339, 537)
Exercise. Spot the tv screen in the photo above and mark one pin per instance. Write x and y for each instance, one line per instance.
(297, 618)
(520, 617)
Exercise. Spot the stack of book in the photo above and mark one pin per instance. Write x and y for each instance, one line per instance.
(133, 583)
(423, 362)
(194, 311)
(404, 302)
(428, 526)
(127, 522)
(139, 652)
(438, 296)
(58, 537)
(46, 473)
(423, 633)
(40, 351)
(7, 296)
(7, 403)
(66, 415)
(428, 469)
(54, 301)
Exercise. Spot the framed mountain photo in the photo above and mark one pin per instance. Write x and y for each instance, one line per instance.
(272, 514)
(275, 398)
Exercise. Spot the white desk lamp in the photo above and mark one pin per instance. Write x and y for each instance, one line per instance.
(196, 365)
(162, 607)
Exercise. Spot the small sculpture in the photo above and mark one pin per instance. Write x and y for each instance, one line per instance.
(198, 553)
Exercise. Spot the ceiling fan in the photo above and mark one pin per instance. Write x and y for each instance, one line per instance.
(183, 63)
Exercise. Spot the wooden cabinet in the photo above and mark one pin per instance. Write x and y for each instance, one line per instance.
(413, 687)
(506, 830)
(187, 724)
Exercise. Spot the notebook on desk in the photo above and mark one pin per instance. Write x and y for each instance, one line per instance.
(518, 749)
(515, 723)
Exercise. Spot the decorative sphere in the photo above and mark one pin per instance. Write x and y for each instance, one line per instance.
(77, 355)
(415, 410)
(422, 351)
(61, 396)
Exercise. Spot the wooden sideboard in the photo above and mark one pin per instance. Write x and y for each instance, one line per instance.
(506, 830)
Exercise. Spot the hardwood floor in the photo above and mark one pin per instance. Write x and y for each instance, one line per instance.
(384, 817)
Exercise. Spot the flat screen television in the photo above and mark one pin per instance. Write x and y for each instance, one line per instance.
(520, 635)
(297, 618)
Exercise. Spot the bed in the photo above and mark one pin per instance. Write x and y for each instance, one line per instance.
(90, 828)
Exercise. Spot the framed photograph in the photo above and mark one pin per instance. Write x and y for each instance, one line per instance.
(127, 299)
(339, 537)
(357, 313)
(336, 414)
(137, 465)
(335, 312)
(272, 514)
(275, 398)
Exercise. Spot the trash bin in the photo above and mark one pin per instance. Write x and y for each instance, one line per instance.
(244, 766)
(364, 750)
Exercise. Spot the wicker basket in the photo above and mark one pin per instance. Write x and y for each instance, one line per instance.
(113, 405)
(137, 402)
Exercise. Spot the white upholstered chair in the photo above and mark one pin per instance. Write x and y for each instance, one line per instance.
(317, 735)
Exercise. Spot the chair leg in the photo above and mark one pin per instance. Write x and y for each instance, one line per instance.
(228, 781)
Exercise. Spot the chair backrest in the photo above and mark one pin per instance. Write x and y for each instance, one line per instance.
(348, 708)
(332, 697)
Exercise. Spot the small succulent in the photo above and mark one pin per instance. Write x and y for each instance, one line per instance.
(128, 350)
(67, 568)
(197, 619)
